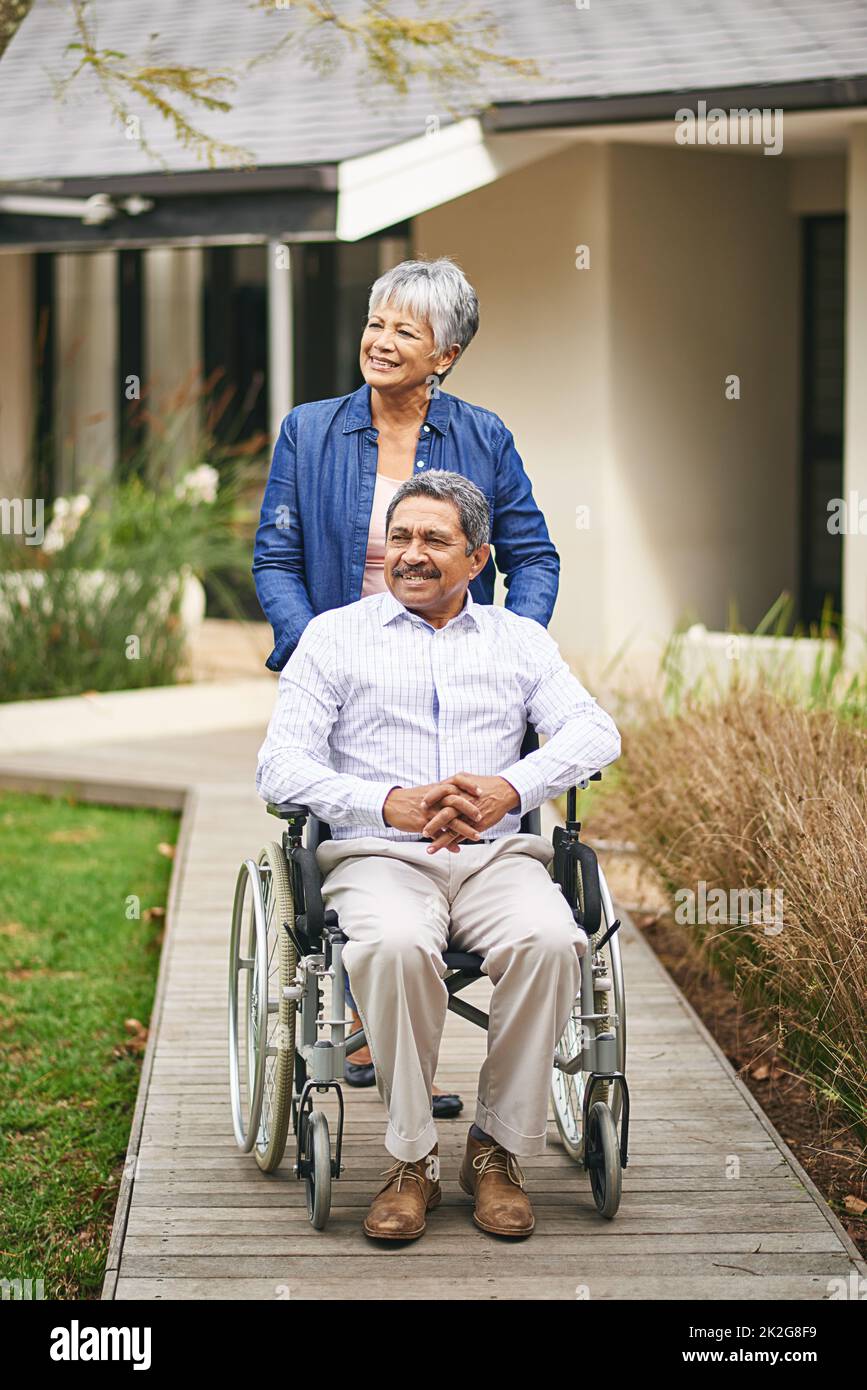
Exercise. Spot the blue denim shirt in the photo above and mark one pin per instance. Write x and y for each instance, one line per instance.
(311, 543)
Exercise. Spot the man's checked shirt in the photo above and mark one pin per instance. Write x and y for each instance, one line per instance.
(374, 697)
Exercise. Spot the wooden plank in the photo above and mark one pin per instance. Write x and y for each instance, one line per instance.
(739, 1268)
(264, 1228)
(771, 1287)
(347, 1239)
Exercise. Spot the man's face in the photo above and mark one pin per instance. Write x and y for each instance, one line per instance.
(426, 564)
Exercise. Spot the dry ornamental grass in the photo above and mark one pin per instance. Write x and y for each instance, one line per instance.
(755, 792)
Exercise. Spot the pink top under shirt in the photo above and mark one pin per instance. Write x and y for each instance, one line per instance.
(374, 570)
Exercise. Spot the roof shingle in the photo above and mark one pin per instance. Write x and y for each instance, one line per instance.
(287, 114)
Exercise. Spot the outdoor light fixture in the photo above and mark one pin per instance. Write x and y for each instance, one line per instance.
(93, 211)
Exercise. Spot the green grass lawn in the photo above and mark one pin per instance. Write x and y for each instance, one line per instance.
(78, 970)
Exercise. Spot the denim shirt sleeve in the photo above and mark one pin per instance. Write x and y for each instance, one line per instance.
(523, 550)
(278, 555)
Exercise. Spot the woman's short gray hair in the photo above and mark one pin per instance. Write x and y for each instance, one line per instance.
(472, 505)
(438, 293)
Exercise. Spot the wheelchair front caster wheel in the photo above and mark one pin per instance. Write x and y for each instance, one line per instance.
(603, 1159)
(317, 1153)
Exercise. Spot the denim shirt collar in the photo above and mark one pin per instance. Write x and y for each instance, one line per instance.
(392, 607)
(358, 415)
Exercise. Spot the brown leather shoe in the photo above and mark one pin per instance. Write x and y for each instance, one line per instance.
(492, 1176)
(398, 1210)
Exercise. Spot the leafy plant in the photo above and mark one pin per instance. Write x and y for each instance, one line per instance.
(98, 606)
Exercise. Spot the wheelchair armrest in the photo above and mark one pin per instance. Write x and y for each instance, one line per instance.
(286, 810)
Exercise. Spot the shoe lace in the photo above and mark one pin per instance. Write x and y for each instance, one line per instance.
(495, 1159)
(400, 1169)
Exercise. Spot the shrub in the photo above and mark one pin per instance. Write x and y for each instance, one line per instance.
(756, 791)
(97, 606)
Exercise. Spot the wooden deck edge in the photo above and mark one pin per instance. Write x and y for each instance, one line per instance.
(744, 1091)
(127, 1182)
(120, 791)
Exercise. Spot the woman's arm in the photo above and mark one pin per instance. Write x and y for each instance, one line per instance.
(523, 550)
(278, 555)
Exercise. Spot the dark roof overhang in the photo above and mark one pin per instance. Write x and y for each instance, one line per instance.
(814, 95)
(201, 207)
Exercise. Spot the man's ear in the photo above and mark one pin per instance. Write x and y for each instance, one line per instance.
(480, 559)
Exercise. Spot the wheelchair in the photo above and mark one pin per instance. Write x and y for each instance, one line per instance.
(284, 945)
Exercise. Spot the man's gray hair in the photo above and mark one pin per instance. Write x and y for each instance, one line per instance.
(438, 293)
(472, 505)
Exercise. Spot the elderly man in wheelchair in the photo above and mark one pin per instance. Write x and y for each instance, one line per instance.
(400, 721)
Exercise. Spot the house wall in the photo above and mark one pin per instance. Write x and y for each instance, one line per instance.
(612, 378)
(704, 493)
(817, 183)
(16, 373)
(540, 358)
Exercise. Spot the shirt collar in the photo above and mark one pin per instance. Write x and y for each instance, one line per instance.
(358, 415)
(392, 607)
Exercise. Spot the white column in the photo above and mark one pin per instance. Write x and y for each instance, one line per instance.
(392, 250)
(16, 373)
(86, 368)
(855, 431)
(173, 349)
(281, 367)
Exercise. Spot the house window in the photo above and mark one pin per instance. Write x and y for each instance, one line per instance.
(823, 339)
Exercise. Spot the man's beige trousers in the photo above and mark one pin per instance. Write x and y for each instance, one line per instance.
(400, 908)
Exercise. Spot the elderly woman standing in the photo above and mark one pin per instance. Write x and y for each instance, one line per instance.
(337, 463)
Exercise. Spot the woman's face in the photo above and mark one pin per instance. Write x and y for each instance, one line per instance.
(397, 350)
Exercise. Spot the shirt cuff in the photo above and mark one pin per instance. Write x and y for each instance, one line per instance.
(368, 802)
(529, 784)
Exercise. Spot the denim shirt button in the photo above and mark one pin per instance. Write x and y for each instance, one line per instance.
(426, 429)
(419, 463)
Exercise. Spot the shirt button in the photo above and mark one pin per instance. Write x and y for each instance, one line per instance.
(419, 463)
(427, 429)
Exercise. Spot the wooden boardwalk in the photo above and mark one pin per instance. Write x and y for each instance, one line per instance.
(198, 1220)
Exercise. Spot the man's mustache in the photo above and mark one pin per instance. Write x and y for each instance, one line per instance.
(400, 573)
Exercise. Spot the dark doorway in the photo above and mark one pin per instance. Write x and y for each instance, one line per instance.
(236, 342)
(131, 359)
(331, 285)
(44, 349)
(823, 338)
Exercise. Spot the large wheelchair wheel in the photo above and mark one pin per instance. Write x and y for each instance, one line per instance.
(263, 905)
(567, 1089)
